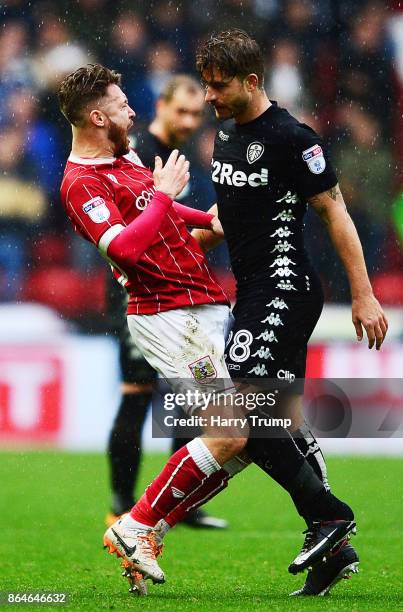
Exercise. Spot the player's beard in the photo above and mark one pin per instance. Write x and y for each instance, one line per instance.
(119, 137)
(237, 106)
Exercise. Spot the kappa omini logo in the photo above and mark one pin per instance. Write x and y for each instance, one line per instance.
(203, 369)
(97, 210)
(254, 152)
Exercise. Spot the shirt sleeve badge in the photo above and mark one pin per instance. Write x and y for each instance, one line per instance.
(315, 159)
(97, 210)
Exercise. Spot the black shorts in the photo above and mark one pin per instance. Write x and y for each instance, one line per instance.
(270, 336)
(134, 368)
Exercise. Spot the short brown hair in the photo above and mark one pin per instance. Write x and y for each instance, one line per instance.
(180, 80)
(233, 52)
(86, 84)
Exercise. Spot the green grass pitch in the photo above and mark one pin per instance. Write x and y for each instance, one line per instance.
(52, 507)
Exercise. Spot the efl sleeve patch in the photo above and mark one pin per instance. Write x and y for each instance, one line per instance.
(315, 159)
(97, 210)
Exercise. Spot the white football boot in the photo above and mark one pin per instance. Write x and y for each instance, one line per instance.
(138, 549)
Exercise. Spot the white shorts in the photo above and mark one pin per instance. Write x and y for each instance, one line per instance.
(186, 345)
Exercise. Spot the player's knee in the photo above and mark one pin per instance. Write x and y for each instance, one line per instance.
(224, 449)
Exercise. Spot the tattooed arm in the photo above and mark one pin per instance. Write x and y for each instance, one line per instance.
(366, 310)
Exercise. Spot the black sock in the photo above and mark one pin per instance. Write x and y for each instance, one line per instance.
(316, 503)
(124, 449)
(280, 458)
(309, 447)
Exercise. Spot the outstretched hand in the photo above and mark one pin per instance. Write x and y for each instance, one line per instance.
(172, 177)
(367, 313)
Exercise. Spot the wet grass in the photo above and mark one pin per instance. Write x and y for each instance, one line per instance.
(52, 507)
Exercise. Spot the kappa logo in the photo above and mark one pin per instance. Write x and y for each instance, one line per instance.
(267, 336)
(282, 232)
(286, 285)
(177, 493)
(273, 319)
(283, 272)
(282, 261)
(284, 215)
(259, 370)
(97, 210)
(289, 198)
(283, 247)
(263, 353)
(254, 152)
(222, 136)
(278, 303)
(203, 369)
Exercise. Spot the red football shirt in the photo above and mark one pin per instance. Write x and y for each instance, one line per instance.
(172, 273)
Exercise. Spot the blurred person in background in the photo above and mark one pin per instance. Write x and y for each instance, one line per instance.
(168, 23)
(367, 169)
(41, 138)
(15, 68)
(285, 81)
(57, 52)
(178, 115)
(23, 208)
(129, 40)
(99, 15)
(162, 61)
(366, 75)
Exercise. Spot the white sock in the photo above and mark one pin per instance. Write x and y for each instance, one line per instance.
(202, 457)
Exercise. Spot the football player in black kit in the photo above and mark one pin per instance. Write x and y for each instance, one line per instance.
(267, 168)
(179, 113)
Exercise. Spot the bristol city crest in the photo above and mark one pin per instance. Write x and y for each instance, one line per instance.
(254, 152)
(203, 369)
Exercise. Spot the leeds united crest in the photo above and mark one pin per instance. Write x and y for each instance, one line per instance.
(254, 152)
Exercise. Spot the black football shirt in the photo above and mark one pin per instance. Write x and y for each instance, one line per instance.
(263, 172)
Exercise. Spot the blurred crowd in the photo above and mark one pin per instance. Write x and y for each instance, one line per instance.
(337, 65)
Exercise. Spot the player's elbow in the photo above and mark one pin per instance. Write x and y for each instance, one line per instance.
(115, 247)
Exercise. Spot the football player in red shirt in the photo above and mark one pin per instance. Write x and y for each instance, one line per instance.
(179, 113)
